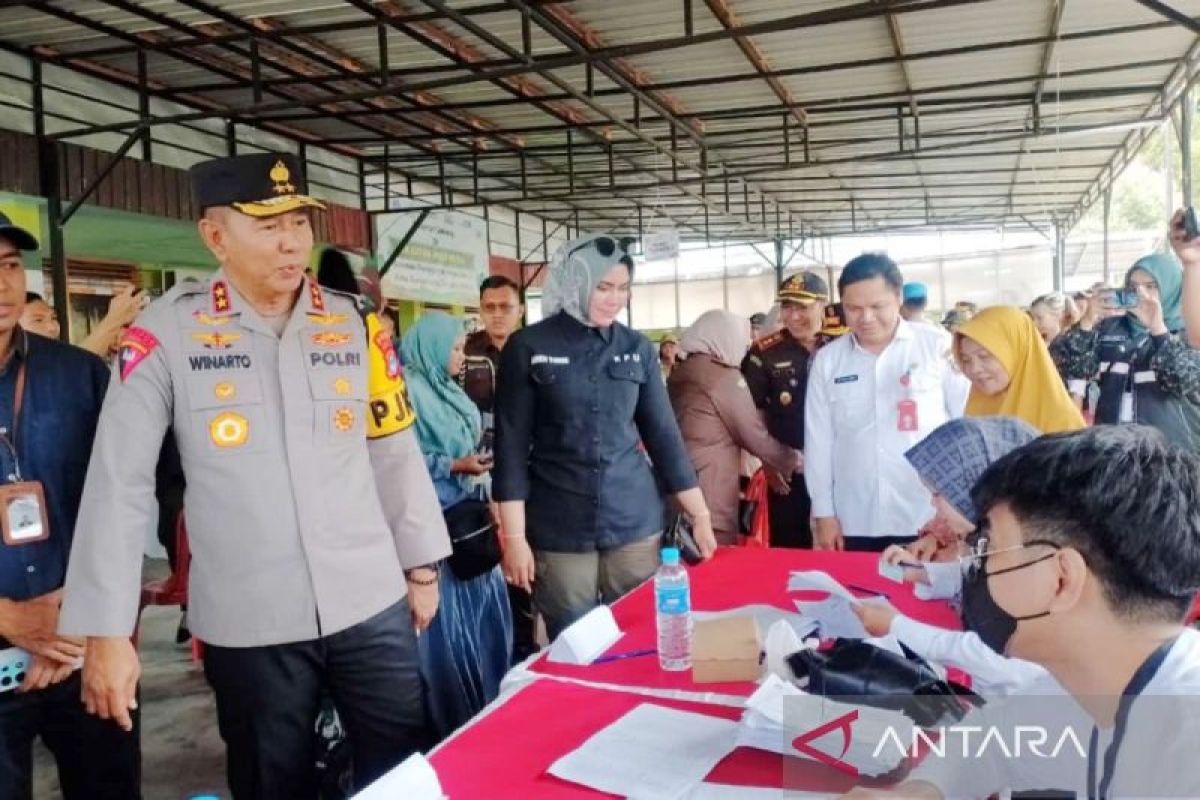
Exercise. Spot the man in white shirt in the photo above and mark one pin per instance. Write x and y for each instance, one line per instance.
(871, 396)
(1090, 562)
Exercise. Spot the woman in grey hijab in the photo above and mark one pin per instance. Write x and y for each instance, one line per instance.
(717, 415)
(586, 444)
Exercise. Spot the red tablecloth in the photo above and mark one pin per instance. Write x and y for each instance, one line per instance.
(507, 752)
(737, 576)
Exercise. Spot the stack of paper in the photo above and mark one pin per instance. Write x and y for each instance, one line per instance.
(783, 719)
(651, 753)
(834, 615)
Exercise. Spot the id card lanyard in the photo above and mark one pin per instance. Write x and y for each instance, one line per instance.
(906, 408)
(1137, 685)
(9, 437)
(22, 503)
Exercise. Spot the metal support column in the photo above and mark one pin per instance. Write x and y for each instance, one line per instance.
(778, 261)
(1059, 256)
(1186, 110)
(51, 188)
(1107, 213)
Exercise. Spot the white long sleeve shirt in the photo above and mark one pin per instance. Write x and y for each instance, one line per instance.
(1155, 759)
(854, 447)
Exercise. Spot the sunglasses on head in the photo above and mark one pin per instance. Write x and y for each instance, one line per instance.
(605, 245)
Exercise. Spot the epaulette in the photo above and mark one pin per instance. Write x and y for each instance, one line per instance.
(184, 288)
(768, 341)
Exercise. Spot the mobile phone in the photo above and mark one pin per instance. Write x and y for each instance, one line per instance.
(1191, 226)
(1123, 298)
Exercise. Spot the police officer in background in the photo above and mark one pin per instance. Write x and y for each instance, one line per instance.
(314, 528)
(500, 309)
(776, 370)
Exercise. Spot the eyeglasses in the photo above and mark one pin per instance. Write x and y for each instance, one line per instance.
(605, 245)
(977, 559)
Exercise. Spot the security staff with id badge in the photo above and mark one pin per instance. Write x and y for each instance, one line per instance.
(50, 397)
(314, 528)
(872, 395)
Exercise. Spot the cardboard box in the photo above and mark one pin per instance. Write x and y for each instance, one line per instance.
(726, 649)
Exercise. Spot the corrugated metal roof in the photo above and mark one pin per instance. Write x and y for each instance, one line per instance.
(465, 94)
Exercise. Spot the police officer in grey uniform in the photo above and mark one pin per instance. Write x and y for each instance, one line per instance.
(314, 528)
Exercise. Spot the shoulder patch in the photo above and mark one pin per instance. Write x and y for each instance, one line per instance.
(769, 341)
(136, 344)
(388, 408)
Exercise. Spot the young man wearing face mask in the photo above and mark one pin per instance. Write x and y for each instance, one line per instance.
(1090, 562)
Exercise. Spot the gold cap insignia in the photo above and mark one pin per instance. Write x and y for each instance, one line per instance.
(282, 177)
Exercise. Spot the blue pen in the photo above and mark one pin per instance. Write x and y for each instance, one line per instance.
(621, 656)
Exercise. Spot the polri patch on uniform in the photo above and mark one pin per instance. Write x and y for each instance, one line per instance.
(845, 379)
(136, 344)
(388, 351)
(331, 338)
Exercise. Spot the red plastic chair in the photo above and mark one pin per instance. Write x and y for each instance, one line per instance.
(173, 589)
(1193, 615)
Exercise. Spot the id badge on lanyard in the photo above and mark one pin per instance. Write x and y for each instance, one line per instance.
(907, 420)
(22, 503)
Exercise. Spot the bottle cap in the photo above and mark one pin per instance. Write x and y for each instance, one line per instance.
(670, 556)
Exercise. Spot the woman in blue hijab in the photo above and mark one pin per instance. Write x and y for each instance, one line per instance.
(1146, 370)
(465, 652)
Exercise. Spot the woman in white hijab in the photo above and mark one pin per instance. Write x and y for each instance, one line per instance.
(717, 415)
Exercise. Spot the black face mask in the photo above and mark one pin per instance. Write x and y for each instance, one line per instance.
(980, 611)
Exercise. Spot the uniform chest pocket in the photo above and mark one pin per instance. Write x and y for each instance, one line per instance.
(624, 387)
(227, 411)
(339, 408)
(853, 403)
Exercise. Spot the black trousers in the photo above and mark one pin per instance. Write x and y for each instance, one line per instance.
(524, 621)
(789, 516)
(268, 699)
(95, 758)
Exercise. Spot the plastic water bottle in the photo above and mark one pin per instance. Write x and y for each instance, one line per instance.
(673, 613)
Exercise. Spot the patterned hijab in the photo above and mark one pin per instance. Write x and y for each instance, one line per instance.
(447, 421)
(575, 271)
(952, 458)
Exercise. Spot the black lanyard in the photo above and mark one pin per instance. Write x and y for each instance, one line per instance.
(1145, 673)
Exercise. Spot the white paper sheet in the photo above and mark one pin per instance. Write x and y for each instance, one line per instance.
(586, 638)
(836, 617)
(651, 753)
(817, 581)
(412, 779)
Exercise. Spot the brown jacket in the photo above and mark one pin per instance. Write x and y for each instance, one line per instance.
(718, 419)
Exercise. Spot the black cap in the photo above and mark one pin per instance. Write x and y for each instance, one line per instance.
(804, 287)
(257, 184)
(20, 238)
(758, 319)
